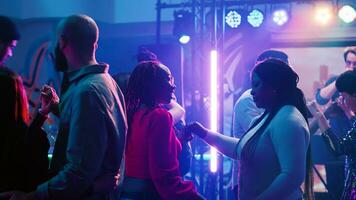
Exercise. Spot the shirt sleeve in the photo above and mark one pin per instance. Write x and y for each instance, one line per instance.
(37, 146)
(87, 142)
(163, 163)
(245, 111)
(290, 140)
(319, 99)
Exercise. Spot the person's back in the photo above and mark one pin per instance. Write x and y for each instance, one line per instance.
(149, 127)
(92, 129)
(95, 102)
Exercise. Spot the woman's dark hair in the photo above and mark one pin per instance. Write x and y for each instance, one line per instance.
(346, 82)
(146, 55)
(283, 79)
(14, 120)
(13, 101)
(143, 86)
(8, 30)
(271, 53)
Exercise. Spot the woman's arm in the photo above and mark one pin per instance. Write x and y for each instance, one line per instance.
(176, 110)
(329, 137)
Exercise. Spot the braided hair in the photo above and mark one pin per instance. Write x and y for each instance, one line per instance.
(143, 86)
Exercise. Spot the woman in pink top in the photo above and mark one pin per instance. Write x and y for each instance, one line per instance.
(151, 165)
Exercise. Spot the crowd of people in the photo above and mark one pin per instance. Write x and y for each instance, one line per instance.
(132, 145)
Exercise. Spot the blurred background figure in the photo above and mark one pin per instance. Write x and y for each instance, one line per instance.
(345, 145)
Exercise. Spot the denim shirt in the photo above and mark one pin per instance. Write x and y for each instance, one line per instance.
(92, 133)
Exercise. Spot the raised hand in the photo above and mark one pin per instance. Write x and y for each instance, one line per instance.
(347, 110)
(49, 99)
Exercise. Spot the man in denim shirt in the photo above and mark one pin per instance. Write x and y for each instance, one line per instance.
(92, 130)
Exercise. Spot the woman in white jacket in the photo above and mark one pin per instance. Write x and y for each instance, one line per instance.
(274, 153)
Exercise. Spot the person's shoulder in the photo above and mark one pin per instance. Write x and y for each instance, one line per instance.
(160, 116)
(331, 79)
(289, 115)
(246, 95)
(245, 98)
(94, 82)
(288, 110)
(160, 112)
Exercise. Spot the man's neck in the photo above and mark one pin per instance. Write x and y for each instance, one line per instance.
(73, 66)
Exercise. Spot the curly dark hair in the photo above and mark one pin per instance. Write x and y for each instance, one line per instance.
(346, 82)
(8, 30)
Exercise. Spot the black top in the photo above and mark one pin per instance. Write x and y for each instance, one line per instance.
(24, 160)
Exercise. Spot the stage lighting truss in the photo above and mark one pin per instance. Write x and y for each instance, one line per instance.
(255, 18)
(347, 14)
(183, 27)
(233, 19)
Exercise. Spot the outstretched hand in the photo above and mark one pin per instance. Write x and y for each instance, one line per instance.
(197, 129)
(49, 99)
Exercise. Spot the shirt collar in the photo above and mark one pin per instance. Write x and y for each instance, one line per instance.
(90, 69)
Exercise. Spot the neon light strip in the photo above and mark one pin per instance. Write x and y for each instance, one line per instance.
(213, 105)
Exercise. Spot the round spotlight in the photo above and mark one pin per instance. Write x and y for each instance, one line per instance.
(323, 15)
(347, 14)
(184, 39)
(233, 19)
(280, 17)
(255, 18)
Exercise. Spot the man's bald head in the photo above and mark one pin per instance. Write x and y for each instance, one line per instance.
(79, 31)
